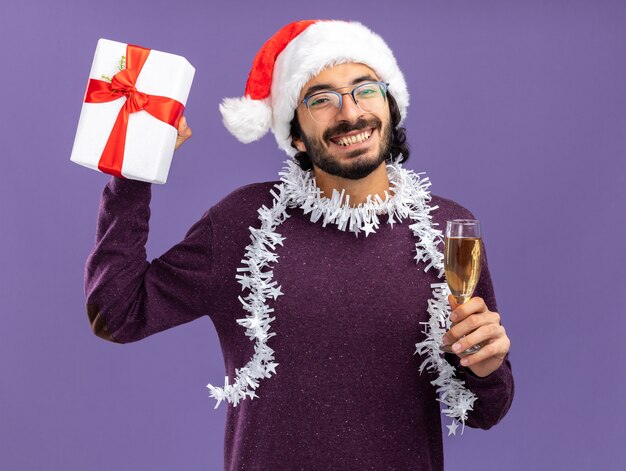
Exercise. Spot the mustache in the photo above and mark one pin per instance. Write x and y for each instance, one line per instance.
(345, 127)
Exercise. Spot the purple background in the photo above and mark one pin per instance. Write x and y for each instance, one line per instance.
(517, 111)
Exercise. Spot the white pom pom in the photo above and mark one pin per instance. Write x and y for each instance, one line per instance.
(246, 119)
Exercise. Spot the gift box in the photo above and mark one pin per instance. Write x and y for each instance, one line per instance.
(129, 119)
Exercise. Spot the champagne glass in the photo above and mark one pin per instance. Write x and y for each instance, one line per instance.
(463, 249)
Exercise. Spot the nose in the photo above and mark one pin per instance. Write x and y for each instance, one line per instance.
(349, 109)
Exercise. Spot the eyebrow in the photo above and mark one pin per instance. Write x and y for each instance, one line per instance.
(326, 86)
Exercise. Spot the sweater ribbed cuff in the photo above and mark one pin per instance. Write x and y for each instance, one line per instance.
(496, 378)
(126, 186)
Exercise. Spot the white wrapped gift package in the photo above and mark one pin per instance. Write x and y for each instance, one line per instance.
(134, 99)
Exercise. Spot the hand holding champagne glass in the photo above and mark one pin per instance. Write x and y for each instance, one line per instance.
(462, 260)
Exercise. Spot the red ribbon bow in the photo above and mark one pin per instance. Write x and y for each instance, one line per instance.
(162, 108)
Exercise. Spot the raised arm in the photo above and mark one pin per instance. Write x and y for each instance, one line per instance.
(129, 298)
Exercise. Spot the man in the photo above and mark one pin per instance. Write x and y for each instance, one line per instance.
(328, 289)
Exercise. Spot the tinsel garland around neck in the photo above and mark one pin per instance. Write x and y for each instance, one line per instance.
(409, 198)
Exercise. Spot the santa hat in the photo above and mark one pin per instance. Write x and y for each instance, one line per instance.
(289, 59)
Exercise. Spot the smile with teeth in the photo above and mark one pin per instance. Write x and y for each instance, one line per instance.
(345, 141)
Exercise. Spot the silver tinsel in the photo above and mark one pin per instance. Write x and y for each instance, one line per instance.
(409, 199)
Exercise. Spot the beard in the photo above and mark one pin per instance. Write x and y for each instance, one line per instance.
(356, 168)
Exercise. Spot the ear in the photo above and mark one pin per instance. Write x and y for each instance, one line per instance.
(299, 144)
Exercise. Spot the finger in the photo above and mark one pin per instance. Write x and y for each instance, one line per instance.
(184, 132)
(182, 125)
(473, 306)
(453, 303)
(483, 335)
(496, 349)
(473, 322)
(448, 339)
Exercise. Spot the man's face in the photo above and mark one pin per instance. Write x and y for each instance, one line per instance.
(322, 141)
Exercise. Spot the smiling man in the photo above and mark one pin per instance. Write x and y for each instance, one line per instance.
(320, 319)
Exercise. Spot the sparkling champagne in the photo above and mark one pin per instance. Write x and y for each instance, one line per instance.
(461, 262)
(462, 265)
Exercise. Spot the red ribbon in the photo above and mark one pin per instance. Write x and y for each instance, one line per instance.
(123, 83)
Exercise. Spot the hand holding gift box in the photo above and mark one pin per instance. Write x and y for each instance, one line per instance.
(131, 111)
(184, 132)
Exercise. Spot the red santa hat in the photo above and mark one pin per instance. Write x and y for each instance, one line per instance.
(293, 56)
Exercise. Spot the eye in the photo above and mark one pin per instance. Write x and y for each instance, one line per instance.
(317, 102)
(368, 91)
(321, 100)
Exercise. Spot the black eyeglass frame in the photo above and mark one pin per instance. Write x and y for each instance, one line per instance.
(305, 100)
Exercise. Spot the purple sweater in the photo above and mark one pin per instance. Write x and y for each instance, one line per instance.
(347, 393)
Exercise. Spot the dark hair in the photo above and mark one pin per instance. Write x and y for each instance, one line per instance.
(399, 146)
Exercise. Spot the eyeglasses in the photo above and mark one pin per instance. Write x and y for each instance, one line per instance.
(324, 106)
